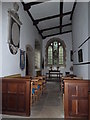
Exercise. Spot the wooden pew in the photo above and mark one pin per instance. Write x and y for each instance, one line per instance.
(76, 98)
(35, 81)
(16, 96)
(89, 104)
(39, 84)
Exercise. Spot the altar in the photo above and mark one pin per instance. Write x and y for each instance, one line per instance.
(53, 74)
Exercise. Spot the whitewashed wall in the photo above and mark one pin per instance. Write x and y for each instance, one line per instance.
(80, 34)
(28, 34)
(0, 61)
(89, 39)
(89, 17)
(0, 39)
(67, 38)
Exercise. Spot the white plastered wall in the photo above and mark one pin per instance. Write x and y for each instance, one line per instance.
(80, 34)
(67, 38)
(28, 34)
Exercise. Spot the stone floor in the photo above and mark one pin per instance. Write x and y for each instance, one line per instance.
(50, 104)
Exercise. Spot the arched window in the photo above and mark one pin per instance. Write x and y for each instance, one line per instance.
(50, 59)
(55, 53)
(61, 55)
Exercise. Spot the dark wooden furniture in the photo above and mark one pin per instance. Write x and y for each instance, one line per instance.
(16, 96)
(53, 74)
(76, 98)
(66, 78)
(38, 73)
(89, 103)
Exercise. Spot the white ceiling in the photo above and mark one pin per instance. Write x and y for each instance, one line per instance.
(51, 8)
(67, 28)
(66, 19)
(45, 9)
(49, 23)
(67, 6)
(49, 32)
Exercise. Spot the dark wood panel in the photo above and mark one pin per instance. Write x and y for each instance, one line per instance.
(12, 88)
(12, 102)
(83, 107)
(16, 96)
(22, 103)
(4, 87)
(89, 103)
(76, 98)
(83, 90)
(72, 107)
(21, 88)
(4, 101)
(72, 90)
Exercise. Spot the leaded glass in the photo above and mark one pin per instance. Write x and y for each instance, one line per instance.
(49, 55)
(55, 53)
(60, 55)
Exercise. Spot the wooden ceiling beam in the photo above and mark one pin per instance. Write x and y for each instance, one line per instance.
(51, 17)
(27, 6)
(42, 30)
(61, 13)
(57, 34)
(73, 10)
(32, 20)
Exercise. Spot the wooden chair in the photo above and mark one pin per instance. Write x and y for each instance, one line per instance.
(34, 93)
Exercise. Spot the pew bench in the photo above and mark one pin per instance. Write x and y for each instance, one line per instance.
(16, 96)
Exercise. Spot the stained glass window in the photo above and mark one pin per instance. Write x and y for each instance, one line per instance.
(60, 55)
(50, 55)
(55, 53)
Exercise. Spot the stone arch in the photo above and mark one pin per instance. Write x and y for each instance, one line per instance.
(29, 60)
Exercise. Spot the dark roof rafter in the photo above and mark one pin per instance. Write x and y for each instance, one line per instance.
(61, 13)
(73, 10)
(32, 19)
(57, 34)
(27, 6)
(35, 22)
(42, 30)
(51, 17)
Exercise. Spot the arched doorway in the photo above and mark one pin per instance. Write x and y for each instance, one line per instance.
(29, 60)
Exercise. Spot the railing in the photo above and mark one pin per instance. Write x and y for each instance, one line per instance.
(53, 74)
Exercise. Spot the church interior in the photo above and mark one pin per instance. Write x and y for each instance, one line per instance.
(45, 59)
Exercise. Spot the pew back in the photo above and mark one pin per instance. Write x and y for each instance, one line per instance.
(16, 96)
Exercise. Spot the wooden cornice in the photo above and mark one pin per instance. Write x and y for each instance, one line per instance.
(73, 10)
(42, 30)
(57, 34)
(51, 17)
(27, 6)
(61, 13)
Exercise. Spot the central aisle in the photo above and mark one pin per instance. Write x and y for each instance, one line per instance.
(50, 104)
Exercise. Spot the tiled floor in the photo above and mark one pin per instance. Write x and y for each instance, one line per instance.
(50, 104)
